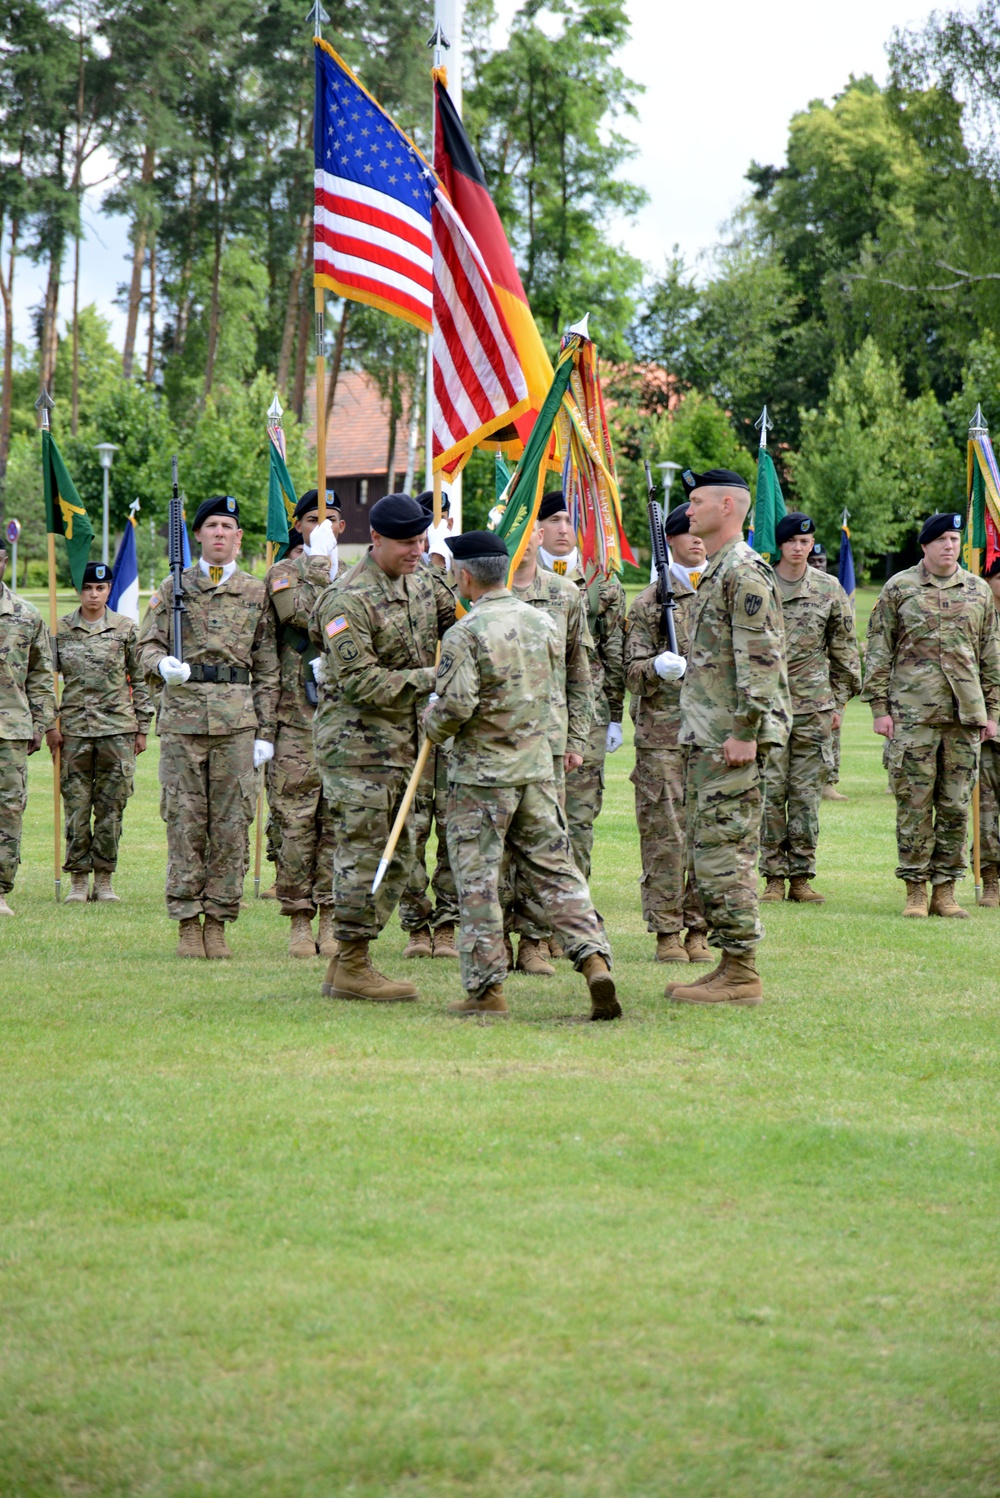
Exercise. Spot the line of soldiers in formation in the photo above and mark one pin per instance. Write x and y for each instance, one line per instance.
(327, 677)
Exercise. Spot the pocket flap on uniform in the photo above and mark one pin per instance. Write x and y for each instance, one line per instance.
(465, 826)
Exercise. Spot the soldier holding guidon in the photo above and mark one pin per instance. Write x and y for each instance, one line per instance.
(989, 790)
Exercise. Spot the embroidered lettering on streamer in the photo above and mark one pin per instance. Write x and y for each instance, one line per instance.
(337, 626)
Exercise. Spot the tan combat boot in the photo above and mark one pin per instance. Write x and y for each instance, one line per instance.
(300, 942)
(916, 899)
(4, 907)
(354, 976)
(79, 890)
(990, 896)
(556, 949)
(531, 961)
(490, 1002)
(697, 947)
(676, 984)
(774, 890)
(603, 1003)
(444, 942)
(802, 892)
(419, 944)
(327, 942)
(670, 948)
(215, 938)
(831, 793)
(737, 983)
(102, 886)
(192, 940)
(268, 894)
(943, 902)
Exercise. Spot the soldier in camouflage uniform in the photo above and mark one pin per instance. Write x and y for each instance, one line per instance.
(27, 710)
(379, 625)
(496, 666)
(989, 792)
(819, 561)
(735, 704)
(430, 924)
(933, 682)
(216, 721)
(824, 672)
(104, 718)
(669, 899)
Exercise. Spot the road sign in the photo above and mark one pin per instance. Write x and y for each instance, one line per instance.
(13, 531)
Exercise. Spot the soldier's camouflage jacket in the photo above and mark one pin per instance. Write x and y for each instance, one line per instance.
(736, 681)
(933, 654)
(655, 704)
(824, 667)
(293, 588)
(571, 707)
(379, 637)
(604, 601)
(225, 625)
(104, 686)
(493, 682)
(27, 692)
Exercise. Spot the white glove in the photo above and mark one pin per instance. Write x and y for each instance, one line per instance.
(262, 752)
(615, 738)
(322, 542)
(173, 671)
(670, 667)
(318, 668)
(433, 698)
(436, 543)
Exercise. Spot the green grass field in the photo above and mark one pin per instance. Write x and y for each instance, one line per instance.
(256, 1243)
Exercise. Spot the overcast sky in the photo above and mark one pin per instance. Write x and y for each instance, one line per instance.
(722, 80)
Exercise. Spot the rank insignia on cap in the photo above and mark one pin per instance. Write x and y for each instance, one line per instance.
(336, 626)
(102, 572)
(230, 505)
(957, 521)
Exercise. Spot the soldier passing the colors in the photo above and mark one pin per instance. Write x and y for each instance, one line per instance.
(301, 820)
(496, 667)
(669, 896)
(989, 790)
(378, 625)
(104, 717)
(216, 722)
(27, 710)
(824, 672)
(933, 683)
(735, 704)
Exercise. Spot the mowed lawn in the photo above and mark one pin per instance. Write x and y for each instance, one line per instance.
(254, 1242)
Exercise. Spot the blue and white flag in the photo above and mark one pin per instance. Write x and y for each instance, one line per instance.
(124, 595)
(845, 562)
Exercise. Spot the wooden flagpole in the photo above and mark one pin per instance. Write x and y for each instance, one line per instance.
(260, 788)
(45, 403)
(407, 801)
(977, 428)
(320, 405)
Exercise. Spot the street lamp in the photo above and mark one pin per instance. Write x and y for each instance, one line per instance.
(669, 471)
(107, 451)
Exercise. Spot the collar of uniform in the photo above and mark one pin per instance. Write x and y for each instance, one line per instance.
(393, 587)
(929, 581)
(713, 562)
(77, 621)
(228, 569)
(568, 566)
(495, 596)
(6, 599)
(802, 585)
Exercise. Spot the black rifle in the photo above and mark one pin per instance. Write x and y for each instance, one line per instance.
(661, 561)
(175, 555)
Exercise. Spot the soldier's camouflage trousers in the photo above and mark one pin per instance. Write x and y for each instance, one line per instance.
(96, 778)
(835, 771)
(794, 776)
(722, 815)
(584, 795)
(303, 824)
(13, 799)
(529, 821)
(989, 802)
(363, 802)
(932, 770)
(208, 794)
(523, 909)
(430, 806)
(669, 900)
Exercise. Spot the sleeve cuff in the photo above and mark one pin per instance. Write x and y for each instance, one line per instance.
(879, 707)
(745, 726)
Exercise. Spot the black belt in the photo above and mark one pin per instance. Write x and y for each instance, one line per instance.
(232, 674)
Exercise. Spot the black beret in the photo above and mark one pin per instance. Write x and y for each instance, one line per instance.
(795, 523)
(945, 520)
(993, 569)
(552, 504)
(476, 544)
(427, 500)
(310, 501)
(219, 504)
(819, 550)
(295, 538)
(97, 572)
(724, 477)
(399, 517)
(678, 522)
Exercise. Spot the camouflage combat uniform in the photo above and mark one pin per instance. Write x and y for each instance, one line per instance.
(27, 709)
(430, 808)
(301, 822)
(105, 703)
(379, 636)
(824, 672)
(736, 684)
(207, 727)
(497, 666)
(933, 664)
(989, 803)
(668, 905)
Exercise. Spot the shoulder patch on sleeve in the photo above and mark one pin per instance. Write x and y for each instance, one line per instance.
(154, 601)
(336, 626)
(752, 603)
(279, 583)
(446, 663)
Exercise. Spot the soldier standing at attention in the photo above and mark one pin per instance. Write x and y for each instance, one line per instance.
(379, 625)
(302, 821)
(989, 791)
(660, 761)
(933, 682)
(104, 717)
(497, 664)
(824, 672)
(216, 722)
(735, 704)
(27, 710)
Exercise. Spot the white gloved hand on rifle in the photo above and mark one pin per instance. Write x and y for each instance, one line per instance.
(318, 668)
(173, 671)
(262, 752)
(670, 667)
(615, 738)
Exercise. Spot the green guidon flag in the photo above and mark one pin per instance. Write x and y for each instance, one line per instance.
(281, 500)
(64, 514)
(523, 493)
(769, 507)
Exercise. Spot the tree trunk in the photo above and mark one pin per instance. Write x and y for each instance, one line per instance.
(151, 346)
(50, 333)
(213, 315)
(335, 363)
(299, 265)
(302, 353)
(75, 412)
(138, 259)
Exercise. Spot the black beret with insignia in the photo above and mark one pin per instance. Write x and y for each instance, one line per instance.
(724, 478)
(398, 517)
(310, 501)
(819, 550)
(552, 503)
(476, 544)
(97, 572)
(795, 523)
(219, 504)
(945, 520)
(426, 498)
(678, 522)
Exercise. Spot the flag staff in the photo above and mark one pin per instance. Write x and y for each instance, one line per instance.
(44, 404)
(763, 425)
(316, 17)
(275, 411)
(977, 428)
(441, 44)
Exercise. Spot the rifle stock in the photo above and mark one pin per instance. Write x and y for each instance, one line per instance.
(175, 554)
(661, 561)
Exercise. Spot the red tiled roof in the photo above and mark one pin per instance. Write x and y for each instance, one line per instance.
(357, 434)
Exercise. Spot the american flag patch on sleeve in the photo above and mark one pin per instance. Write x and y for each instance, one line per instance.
(336, 626)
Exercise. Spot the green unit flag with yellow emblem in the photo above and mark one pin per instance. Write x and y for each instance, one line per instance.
(64, 514)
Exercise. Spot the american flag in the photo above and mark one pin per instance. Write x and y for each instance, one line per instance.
(385, 234)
